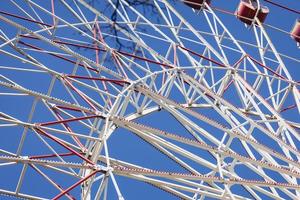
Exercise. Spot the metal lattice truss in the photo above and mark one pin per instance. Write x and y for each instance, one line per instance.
(239, 110)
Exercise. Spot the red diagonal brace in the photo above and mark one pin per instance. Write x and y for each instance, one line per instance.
(42, 132)
(68, 128)
(51, 155)
(57, 185)
(115, 81)
(288, 108)
(55, 55)
(266, 67)
(75, 185)
(82, 95)
(24, 18)
(69, 120)
(201, 56)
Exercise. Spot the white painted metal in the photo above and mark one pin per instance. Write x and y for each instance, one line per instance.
(228, 101)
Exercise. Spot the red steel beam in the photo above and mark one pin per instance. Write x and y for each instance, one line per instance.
(284, 7)
(56, 184)
(100, 49)
(115, 81)
(24, 18)
(201, 56)
(58, 56)
(267, 68)
(42, 132)
(228, 85)
(53, 11)
(222, 65)
(51, 155)
(288, 108)
(68, 128)
(96, 34)
(82, 95)
(145, 59)
(69, 120)
(75, 185)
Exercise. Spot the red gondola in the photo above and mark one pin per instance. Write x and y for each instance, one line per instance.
(196, 4)
(248, 9)
(295, 33)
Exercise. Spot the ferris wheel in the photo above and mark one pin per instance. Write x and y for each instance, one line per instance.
(149, 100)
